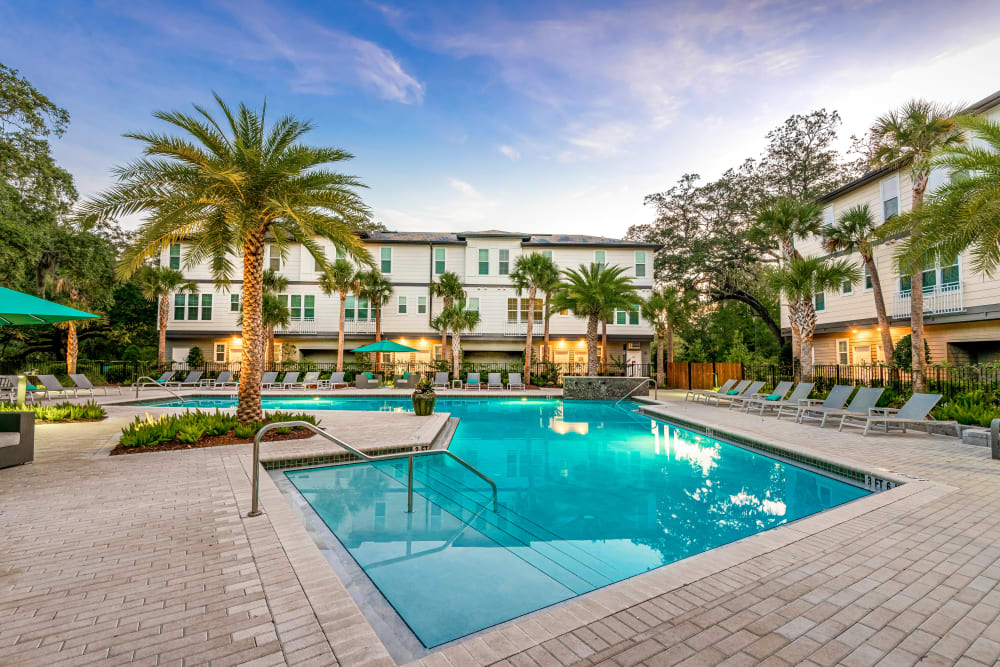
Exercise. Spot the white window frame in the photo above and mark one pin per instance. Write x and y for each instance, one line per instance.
(382, 260)
(273, 252)
(547, 253)
(216, 352)
(421, 305)
(882, 199)
(503, 264)
(401, 304)
(234, 300)
(850, 288)
(829, 220)
(603, 262)
(866, 276)
(847, 350)
(472, 304)
(170, 256)
(443, 260)
(637, 263)
(823, 309)
(479, 261)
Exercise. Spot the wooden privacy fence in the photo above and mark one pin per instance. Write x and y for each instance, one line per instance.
(688, 375)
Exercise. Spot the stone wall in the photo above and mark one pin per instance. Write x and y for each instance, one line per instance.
(597, 388)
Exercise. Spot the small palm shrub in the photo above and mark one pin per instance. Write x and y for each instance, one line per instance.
(976, 407)
(60, 412)
(192, 427)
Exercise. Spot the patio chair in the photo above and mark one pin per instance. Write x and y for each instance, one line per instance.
(913, 412)
(17, 438)
(407, 380)
(311, 380)
(337, 380)
(8, 388)
(734, 390)
(693, 394)
(835, 400)
(160, 381)
(472, 381)
(493, 381)
(269, 380)
(225, 380)
(291, 381)
(799, 394)
(192, 379)
(84, 384)
(54, 386)
(441, 380)
(367, 380)
(749, 389)
(744, 400)
(864, 400)
(514, 381)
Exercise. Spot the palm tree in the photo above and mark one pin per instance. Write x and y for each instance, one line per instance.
(74, 297)
(662, 310)
(275, 313)
(783, 220)
(532, 272)
(344, 280)
(448, 287)
(457, 319)
(912, 135)
(549, 286)
(228, 189)
(654, 311)
(856, 231)
(586, 292)
(800, 281)
(378, 290)
(157, 283)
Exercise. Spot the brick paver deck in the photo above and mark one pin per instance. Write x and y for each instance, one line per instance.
(149, 559)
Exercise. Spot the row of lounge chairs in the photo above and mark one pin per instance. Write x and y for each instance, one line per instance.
(474, 381)
(860, 412)
(50, 387)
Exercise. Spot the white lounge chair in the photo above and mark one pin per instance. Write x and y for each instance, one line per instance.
(749, 390)
(160, 381)
(472, 381)
(225, 381)
(862, 403)
(694, 394)
(311, 380)
(744, 400)
(914, 412)
(192, 379)
(337, 380)
(291, 381)
(706, 394)
(84, 384)
(835, 400)
(441, 380)
(269, 380)
(514, 381)
(799, 394)
(54, 386)
(493, 381)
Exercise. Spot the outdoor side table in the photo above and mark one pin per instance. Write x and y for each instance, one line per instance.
(324, 384)
(207, 384)
(456, 384)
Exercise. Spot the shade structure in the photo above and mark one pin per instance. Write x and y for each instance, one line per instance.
(20, 308)
(386, 346)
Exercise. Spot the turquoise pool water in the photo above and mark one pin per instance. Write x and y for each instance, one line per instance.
(590, 494)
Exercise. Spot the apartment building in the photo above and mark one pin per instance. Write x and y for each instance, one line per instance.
(412, 261)
(961, 307)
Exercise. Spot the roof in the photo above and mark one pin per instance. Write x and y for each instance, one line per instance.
(982, 105)
(537, 240)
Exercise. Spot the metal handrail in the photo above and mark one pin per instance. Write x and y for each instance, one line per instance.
(643, 383)
(255, 482)
(156, 384)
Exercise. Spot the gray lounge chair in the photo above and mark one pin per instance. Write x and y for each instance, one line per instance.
(913, 412)
(269, 379)
(406, 381)
(695, 394)
(311, 380)
(54, 386)
(472, 381)
(8, 388)
(799, 394)
(818, 408)
(743, 401)
(291, 381)
(493, 381)
(515, 382)
(160, 381)
(192, 379)
(362, 381)
(441, 380)
(225, 381)
(749, 389)
(862, 403)
(337, 380)
(84, 384)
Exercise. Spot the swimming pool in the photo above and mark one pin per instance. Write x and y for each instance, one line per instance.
(590, 494)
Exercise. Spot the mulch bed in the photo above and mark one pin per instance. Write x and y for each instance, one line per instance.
(68, 421)
(211, 441)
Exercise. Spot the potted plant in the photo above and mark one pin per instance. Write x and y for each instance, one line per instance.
(424, 398)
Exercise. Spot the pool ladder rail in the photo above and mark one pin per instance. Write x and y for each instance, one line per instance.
(645, 382)
(255, 481)
(154, 383)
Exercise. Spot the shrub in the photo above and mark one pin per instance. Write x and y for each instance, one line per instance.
(972, 407)
(60, 412)
(195, 357)
(902, 353)
(247, 430)
(191, 427)
(279, 416)
(190, 433)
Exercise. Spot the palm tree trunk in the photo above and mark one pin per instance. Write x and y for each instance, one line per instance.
(340, 332)
(272, 351)
(883, 320)
(659, 358)
(670, 341)
(251, 366)
(527, 336)
(161, 350)
(919, 368)
(378, 337)
(604, 345)
(807, 325)
(444, 334)
(545, 349)
(592, 345)
(72, 347)
(456, 343)
(796, 342)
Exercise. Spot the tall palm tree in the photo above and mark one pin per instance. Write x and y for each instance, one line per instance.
(532, 272)
(783, 220)
(228, 188)
(586, 292)
(663, 309)
(340, 278)
(157, 283)
(275, 313)
(549, 286)
(378, 290)
(856, 231)
(69, 291)
(800, 281)
(654, 311)
(457, 319)
(911, 135)
(448, 287)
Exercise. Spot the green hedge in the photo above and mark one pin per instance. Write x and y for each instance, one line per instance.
(60, 412)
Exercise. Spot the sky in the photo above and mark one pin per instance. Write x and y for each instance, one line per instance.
(542, 117)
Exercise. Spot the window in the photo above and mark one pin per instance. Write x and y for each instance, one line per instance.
(220, 352)
(234, 303)
(273, 257)
(518, 310)
(843, 356)
(309, 307)
(175, 255)
(362, 309)
(349, 306)
(178, 306)
(620, 317)
(192, 309)
(386, 256)
(847, 288)
(484, 262)
(473, 304)
(547, 254)
(401, 305)
(339, 253)
(439, 263)
(206, 306)
(633, 315)
(904, 283)
(600, 258)
(503, 262)
(828, 220)
(295, 307)
(819, 301)
(640, 264)
(868, 277)
(421, 305)
(890, 198)
(950, 273)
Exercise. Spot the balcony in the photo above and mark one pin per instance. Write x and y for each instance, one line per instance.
(304, 326)
(359, 327)
(938, 300)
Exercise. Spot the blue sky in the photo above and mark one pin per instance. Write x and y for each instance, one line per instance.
(528, 116)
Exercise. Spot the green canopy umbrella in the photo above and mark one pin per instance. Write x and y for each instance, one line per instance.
(386, 346)
(20, 308)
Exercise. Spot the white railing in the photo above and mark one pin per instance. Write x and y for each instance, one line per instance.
(478, 331)
(304, 326)
(515, 328)
(359, 326)
(938, 300)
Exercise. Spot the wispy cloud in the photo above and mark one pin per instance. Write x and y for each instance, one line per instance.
(510, 152)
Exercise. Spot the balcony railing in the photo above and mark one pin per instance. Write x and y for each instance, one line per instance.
(521, 328)
(359, 326)
(304, 326)
(938, 300)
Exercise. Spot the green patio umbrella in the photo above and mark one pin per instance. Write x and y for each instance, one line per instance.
(386, 346)
(20, 308)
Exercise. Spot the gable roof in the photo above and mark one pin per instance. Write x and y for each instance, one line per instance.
(535, 240)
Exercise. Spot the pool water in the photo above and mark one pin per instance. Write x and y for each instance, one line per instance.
(590, 494)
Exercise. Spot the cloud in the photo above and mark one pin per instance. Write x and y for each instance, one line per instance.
(510, 152)
(463, 188)
(603, 140)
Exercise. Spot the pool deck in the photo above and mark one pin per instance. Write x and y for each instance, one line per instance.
(151, 559)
